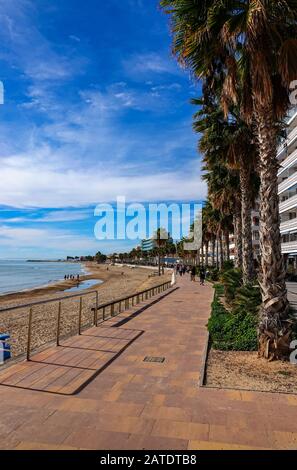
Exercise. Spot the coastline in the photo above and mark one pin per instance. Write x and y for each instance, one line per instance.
(118, 281)
(51, 287)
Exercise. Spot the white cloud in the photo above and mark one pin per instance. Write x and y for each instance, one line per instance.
(52, 217)
(11, 237)
(143, 65)
(35, 185)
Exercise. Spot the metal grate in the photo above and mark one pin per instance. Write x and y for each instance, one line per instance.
(154, 359)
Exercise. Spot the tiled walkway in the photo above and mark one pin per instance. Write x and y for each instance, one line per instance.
(133, 404)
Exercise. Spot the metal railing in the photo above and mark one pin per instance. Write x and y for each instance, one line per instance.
(123, 303)
(108, 310)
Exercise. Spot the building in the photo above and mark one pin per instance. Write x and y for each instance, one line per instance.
(287, 190)
(148, 244)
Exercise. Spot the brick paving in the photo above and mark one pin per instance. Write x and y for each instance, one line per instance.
(133, 404)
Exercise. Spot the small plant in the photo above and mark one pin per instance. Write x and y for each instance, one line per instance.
(213, 274)
(247, 299)
(231, 280)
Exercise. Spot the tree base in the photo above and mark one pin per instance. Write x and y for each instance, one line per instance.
(275, 345)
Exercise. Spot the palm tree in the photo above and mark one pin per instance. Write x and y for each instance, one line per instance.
(161, 237)
(229, 143)
(253, 45)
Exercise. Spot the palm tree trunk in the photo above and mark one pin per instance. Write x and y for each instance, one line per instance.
(206, 253)
(213, 251)
(227, 242)
(238, 235)
(202, 254)
(221, 250)
(246, 211)
(274, 327)
(217, 252)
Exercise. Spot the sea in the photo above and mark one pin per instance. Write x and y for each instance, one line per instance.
(19, 275)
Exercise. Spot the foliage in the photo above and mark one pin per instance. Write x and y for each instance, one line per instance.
(100, 258)
(247, 299)
(213, 274)
(229, 264)
(231, 280)
(235, 330)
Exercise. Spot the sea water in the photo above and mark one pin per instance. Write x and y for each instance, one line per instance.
(18, 275)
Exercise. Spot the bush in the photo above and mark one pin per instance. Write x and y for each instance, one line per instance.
(213, 274)
(231, 280)
(235, 330)
(227, 265)
(247, 299)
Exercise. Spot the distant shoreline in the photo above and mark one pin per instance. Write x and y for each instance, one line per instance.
(52, 261)
(51, 286)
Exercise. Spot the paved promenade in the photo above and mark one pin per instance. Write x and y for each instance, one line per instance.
(132, 404)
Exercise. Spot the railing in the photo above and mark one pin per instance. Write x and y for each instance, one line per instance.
(288, 162)
(289, 247)
(289, 140)
(288, 204)
(287, 183)
(73, 323)
(123, 303)
(288, 225)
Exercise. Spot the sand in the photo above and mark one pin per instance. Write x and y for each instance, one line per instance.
(118, 281)
(246, 371)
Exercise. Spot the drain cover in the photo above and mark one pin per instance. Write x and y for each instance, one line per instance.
(154, 359)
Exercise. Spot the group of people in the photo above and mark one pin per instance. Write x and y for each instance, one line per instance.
(72, 277)
(192, 270)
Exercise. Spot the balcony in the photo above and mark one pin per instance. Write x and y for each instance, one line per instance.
(287, 183)
(289, 140)
(288, 162)
(288, 204)
(289, 247)
(288, 225)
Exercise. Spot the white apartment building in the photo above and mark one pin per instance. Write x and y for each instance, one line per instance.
(287, 190)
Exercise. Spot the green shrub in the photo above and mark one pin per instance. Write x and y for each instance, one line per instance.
(235, 330)
(227, 265)
(213, 274)
(231, 280)
(248, 299)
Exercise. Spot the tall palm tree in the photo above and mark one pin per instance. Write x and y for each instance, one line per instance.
(230, 143)
(254, 46)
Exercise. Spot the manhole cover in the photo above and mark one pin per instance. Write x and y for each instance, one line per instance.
(154, 359)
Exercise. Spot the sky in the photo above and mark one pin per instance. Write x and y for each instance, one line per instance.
(95, 107)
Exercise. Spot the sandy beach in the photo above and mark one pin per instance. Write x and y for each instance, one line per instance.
(118, 281)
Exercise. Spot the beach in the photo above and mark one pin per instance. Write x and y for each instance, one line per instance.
(118, 281)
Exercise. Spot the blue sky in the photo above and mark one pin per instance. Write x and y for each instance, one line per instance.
(95, 108)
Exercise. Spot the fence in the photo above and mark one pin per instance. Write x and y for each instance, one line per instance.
(30, 328)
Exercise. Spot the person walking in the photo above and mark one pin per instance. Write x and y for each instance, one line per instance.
(193, 273)
(202, 276)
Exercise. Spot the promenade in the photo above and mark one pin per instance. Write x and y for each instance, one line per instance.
(123, 402)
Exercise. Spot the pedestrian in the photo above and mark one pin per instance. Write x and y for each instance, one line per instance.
(193, 273)
(202, 276)
(184, 269)
(65, 277)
